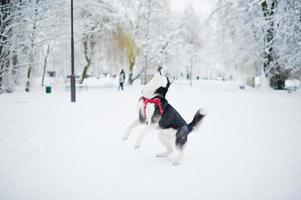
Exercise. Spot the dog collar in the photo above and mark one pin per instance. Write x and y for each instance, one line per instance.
(156, 101)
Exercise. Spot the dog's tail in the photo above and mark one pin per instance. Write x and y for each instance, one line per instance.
(198, 117)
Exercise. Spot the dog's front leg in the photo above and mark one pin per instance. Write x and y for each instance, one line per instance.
(133, 125)
(141, 135)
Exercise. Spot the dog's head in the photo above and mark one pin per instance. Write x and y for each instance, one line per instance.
(158, 85)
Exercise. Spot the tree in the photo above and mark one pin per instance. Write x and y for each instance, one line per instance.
(5, 53)
(269, 57)
(254, 37)
(128, 46)
(191, 38)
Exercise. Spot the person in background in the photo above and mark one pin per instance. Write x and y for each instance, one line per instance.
(121, 80)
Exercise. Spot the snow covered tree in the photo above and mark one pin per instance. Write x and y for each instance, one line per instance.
(191, 39)
(128, 46)
(269, 54)
(8, 57)
(253, 36)
(151, 25)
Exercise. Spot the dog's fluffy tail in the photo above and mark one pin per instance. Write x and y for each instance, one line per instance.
(198, 117)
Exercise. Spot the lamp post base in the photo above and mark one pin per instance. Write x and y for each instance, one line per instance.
(72, 87)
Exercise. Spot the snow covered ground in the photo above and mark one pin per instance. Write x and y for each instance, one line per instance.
(248, 147)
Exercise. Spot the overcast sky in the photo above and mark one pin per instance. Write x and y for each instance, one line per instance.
(201, 6)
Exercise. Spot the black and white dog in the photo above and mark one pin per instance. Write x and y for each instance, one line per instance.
(156, 112)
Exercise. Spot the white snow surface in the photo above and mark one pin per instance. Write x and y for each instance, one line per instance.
(248, 146)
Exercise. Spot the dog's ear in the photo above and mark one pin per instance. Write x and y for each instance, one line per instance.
(169, 81)
(159, 69)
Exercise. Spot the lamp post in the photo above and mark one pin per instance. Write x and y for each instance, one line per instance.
(72, 77)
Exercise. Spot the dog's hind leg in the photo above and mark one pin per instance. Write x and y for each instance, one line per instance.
(180, 157)
(165, 141)
(133, 125)
(141, 135)
(180, 142)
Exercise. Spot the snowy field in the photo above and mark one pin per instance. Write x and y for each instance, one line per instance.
(248, 147)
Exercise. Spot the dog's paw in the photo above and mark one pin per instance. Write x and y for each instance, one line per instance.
(176, 163)
(160, 155)
(136, 146)
(203, 111)
(125, 136)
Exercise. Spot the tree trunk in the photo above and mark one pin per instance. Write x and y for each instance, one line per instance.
(269, 53)
(4, 51)
(132, 78)
(88, 60)
(145, 70)
(190, 75)
(32, 50)
(131, 67)
(45, 64)
(28, 85)
(147, 38)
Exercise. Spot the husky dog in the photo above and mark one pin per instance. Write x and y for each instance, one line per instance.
(156, 112)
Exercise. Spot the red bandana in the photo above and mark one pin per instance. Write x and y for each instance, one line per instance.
(156, 101)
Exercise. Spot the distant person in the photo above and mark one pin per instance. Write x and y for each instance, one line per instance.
(121, 80)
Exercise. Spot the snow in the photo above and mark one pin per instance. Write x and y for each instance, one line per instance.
(292, 84)
(248, 147)
(203, 7)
